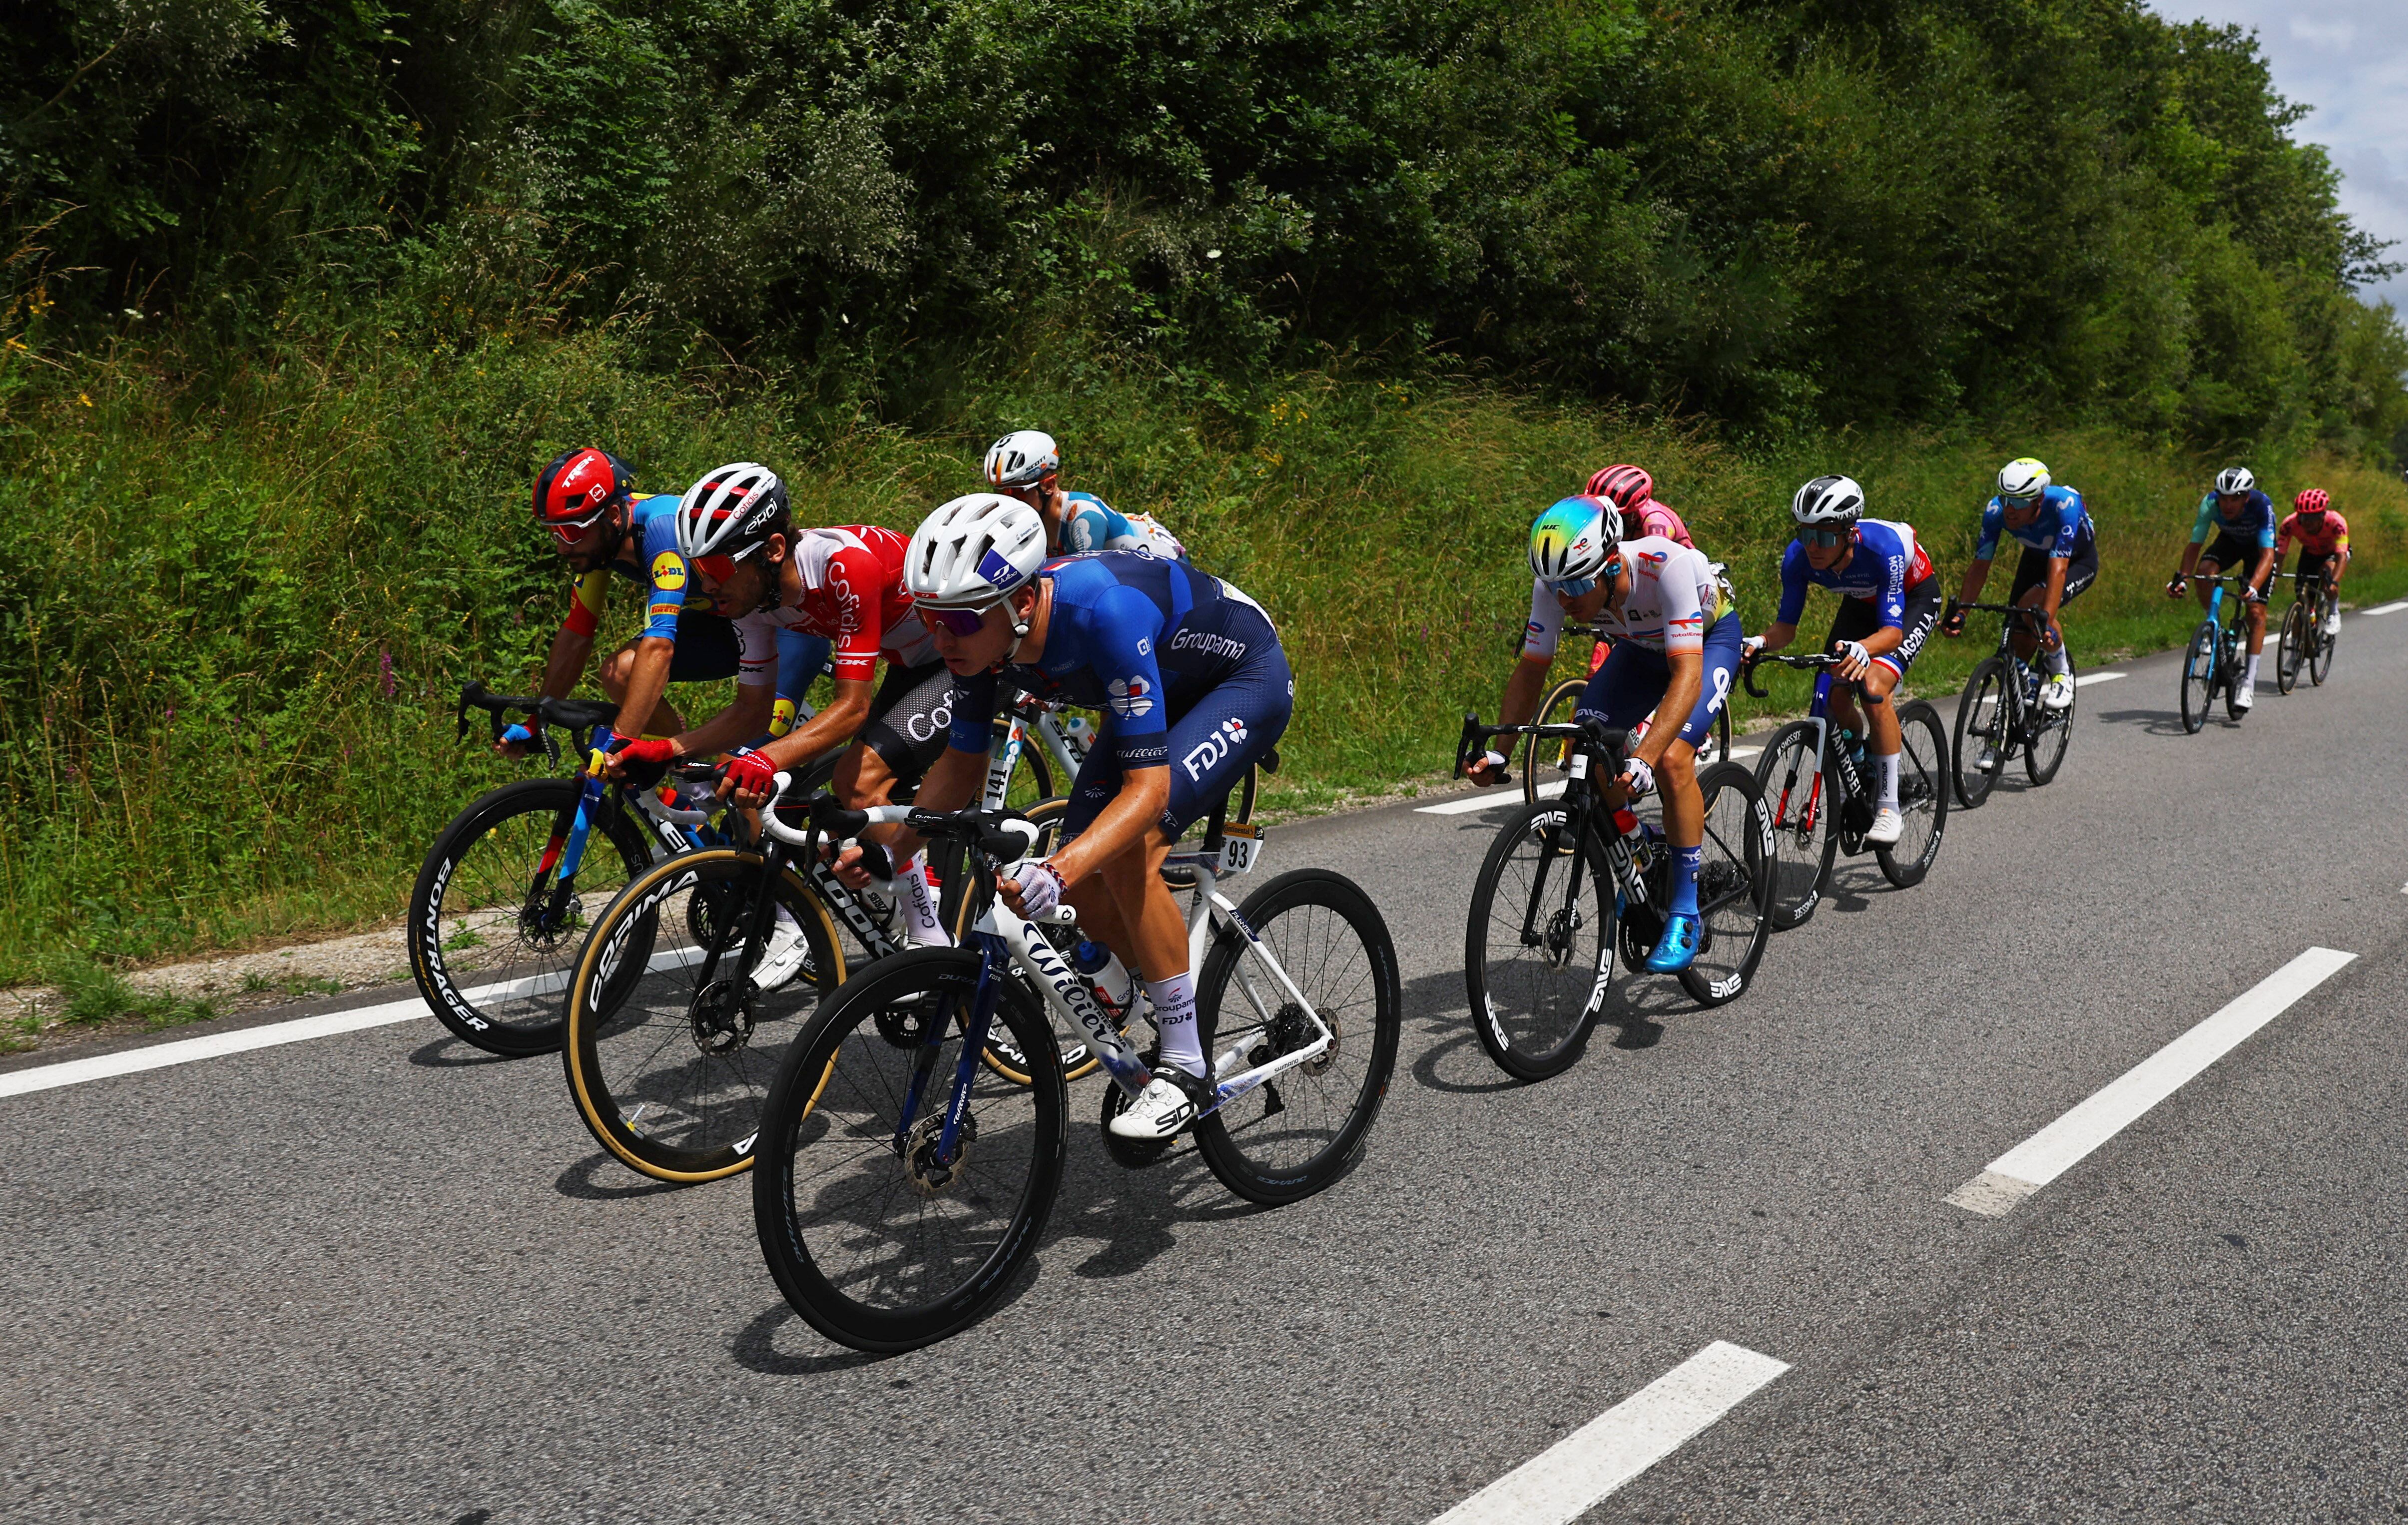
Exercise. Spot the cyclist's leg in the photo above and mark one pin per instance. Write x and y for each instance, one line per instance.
(1684, 809)
(1856, 620)
(905, 734)
(2030, 587)
(1883, 739)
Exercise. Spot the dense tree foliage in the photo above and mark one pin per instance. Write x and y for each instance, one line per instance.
(1775, 211)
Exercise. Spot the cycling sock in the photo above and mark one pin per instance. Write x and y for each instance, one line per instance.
(1886, 782)
(2057, 663)
(1174, 1014)
(1685, 879)
(921, 928)
(2249, 671)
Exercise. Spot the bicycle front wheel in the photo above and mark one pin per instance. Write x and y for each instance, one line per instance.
(2320, 646)
(1734, 885)
(879, 1241)
(1922, 796)
(1539, 946)
(2291, 646)
(1805, 834)
(1980, 755)
(671, 1077)
(1294, 1134)
(491, 932)
(2052, 733)
(2199, 676)
(1548, 759)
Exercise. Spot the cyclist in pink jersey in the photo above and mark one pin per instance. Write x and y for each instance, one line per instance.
(1633, 492)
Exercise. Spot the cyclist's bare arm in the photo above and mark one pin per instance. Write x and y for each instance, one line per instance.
(646, 683)
(1977, 577)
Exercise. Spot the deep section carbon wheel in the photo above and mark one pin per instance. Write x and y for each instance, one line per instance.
(1538, 953)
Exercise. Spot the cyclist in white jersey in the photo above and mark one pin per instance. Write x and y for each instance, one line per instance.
(1676, 653)
(1026, 465)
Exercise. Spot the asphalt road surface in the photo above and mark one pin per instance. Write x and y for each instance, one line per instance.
(375, 1276)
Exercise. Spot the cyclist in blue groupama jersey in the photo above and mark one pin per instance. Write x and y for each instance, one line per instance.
(1890, 600)
(1194, 690)
(2242, 521)
(1675, 652)
(587, 500)
(1026, 465)
(2060, 559)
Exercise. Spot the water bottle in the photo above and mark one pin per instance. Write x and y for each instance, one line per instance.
(1087, 957)
(1113, 985)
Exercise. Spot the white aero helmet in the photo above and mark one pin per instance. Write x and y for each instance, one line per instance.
(1022, 458)
(973, 550)
(1828, 500)
(2234, 479)
(730, 511)
(1575, 538)
(2023, 479)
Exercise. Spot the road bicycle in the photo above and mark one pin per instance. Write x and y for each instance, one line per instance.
(1815, 776)
(2213, 660)
(503, 893)
(902, 1184)
(1546, 760)
(1569, 884)
(2001, 715)
(2303, 642)
(669, 1052)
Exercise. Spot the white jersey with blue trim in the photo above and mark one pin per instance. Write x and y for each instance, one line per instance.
(1674, 595)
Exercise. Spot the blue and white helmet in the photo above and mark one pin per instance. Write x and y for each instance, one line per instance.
(973, 551)
(1022, 458)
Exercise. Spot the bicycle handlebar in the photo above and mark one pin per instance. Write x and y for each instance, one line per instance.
(1814, 662)
(1615, 743)
(999, 835)
(570, 713)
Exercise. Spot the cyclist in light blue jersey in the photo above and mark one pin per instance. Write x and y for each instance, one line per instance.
(1026, 465)
(2060, 559)
(2241, 518)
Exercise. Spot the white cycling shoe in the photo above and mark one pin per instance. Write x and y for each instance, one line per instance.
(1887, 827)
(2059, 692)
(2246, 697)
(782, 959)
(1169, 1103)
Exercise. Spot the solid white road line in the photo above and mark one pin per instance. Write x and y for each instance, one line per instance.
(1567, 1478)
(75, 1071)
(1470, 804)
(2387, 608)
(2058, 1147)
(2088, 678)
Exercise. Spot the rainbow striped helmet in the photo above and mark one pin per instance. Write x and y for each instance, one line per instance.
(1574, 539)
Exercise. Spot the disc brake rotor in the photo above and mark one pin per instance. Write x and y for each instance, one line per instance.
(721, 1015)
(924, 1172)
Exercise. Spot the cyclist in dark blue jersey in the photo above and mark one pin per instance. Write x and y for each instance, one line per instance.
(2241, 518)
(2060, 559)
(1194, 688)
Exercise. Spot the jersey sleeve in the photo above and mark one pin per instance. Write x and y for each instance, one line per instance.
(665, 571)
(591, 594)
(855, 575)
(972, 699)
(2283, 534)
(2205, 524)
(1682, 601)
(1124, 627)
(2339, 533)
(1993, 523)
(2265, 523)
(1088, 527)
(1545, 631)
(2071, 513)
(1793, 585)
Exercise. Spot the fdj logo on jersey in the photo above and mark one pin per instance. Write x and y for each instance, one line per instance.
(1131, 696)
(1228, 739)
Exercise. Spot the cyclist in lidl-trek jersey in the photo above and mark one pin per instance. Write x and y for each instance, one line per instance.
(2323, 536)
(2060, 559)
(1027, 466)
(2241, 520)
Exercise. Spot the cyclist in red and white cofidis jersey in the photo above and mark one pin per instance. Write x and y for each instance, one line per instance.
(1633, 492)
(2323, 545)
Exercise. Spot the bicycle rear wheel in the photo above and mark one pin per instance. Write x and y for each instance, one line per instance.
(1538, 948)
(2052, 732)
(1294, 1134)
(874, 1241)
(486, 905)
(2199, 676)
(1922, 796)
(1734, 885)
(670, 1078)
(1805, 830)
(1980, 754)
(1547, 760)
(2291, 646)
(2320, 648)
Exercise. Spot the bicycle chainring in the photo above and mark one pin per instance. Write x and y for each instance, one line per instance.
(906, 1026)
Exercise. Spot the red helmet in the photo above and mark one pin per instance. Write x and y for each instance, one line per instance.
(2315, 500)
(1625, 487)
(573, 493)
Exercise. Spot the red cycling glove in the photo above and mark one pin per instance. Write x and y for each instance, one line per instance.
(751, 772)
(652, 751)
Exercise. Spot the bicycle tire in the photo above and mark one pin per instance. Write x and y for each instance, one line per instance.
(2290, 646)
(670, 1079)
(2044, 751)
(1532, 1024)
(454, 903)
(2199, 676)
(1003, 1058)
(1790, 776)
(1734, 885)
(2320, 652)
(838, 1208)
(1265, 1144)
(1921, 789)
(1550, 755)
(2228, 676)
(1982, 715)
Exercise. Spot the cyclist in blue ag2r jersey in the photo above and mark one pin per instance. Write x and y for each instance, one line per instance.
(1676, 653)
(2060, 559)
(1026, 465)
(1194, 688)
(2241, 518)
(1890, 600)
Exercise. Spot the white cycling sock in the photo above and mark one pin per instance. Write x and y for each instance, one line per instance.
(1174, 1014)
(921, 928)
(1885, 781)
(2249, 672)
(2056, 660)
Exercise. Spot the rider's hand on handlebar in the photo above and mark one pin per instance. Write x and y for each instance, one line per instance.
(1749, 649)
(1953, 625)
(2176, 588)
(640, 763)
(1855, 660)
(515, 743)
(750, 778)
(851, 870)
(1033, 889)
(1637, 776)
(1489, 769)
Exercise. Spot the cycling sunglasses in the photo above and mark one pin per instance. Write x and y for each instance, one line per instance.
(1823, 539)
(2009, 501)
(566, 537)
(960, 621)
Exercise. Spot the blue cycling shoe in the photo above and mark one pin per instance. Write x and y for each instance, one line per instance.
(1678, 947)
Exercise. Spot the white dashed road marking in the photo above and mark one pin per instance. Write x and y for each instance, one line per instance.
(2387, 608)
(1563, 1481)
(1471, 803)
(2060, 1147)
(2088, 678)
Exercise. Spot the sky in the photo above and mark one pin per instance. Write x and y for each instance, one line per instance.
(2348, 59)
